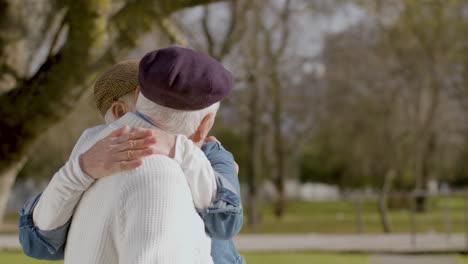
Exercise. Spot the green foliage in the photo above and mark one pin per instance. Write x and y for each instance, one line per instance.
(460, 175)
(323, 162)
(320, 164)
(405, 180)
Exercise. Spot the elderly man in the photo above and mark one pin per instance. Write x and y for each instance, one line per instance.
(173, 121)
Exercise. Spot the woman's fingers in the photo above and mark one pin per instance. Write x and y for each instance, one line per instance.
(212, 139)
(138, 134)
(133, 154)
(135, 144)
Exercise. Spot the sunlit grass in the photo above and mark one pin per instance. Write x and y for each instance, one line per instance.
(305, 258)
(19, 258)
(251, 258)
(462, 259)
(339, 217)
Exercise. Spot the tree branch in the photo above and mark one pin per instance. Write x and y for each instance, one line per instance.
(36, 104)
(171, 30)
(228, 39)
(206, 30)
(54, 44)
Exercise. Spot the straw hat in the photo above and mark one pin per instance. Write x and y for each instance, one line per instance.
(120, 79)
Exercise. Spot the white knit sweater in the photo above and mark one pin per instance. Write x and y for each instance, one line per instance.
(146, 215)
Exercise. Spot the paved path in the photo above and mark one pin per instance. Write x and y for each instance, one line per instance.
(394, 243)
(365, 243)
(405, 259)
(374, 244)
(9, 242)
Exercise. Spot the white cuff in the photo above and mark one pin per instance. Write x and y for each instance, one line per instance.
(198, 171)
(81, 179)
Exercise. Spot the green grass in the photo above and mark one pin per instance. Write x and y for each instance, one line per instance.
(462, 259)
(252, 258)
(20, 258)
(305, 258)
(339, 217)
(12, 217)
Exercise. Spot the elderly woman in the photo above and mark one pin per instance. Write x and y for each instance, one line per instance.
(211, 178)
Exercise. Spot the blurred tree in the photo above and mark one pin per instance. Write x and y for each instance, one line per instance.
(59, 141)
(281, 96)
(255, 100)
(389, 108)
(237, 41)
(275, 52)
(50, 51)
(274, 96)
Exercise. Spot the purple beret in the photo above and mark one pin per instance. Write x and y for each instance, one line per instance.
(183, 79)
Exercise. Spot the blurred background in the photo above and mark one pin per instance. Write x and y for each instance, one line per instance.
(348, 118)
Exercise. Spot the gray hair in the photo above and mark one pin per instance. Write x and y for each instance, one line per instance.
(172, 120)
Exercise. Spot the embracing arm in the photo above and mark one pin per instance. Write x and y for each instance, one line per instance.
(198, 171)
(45, 218)
(40, 244)
(212, 177)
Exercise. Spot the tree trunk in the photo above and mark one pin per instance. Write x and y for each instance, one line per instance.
(254, 161)
(274, 54)
(43, 99)
(383, 202)
(7, 179)
(279, 180)
(425, 163)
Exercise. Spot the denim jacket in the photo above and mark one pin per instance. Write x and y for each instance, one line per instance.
(223, 218)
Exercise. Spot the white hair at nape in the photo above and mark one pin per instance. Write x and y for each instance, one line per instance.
(128, 99)
(172, 120)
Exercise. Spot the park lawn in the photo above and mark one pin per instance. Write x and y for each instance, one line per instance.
(251, 258)
(338, 217)
(462, 259)
(14, 257)
(305, 258)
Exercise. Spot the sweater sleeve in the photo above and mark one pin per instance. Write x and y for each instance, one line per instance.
(198, 171)
(153, 212)
(58, 201)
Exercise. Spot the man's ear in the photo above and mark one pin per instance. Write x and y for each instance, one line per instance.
(119, 109)
(137, 93)
(203, 129)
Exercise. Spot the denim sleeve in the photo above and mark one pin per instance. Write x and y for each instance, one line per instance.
(224, 217)
(38, 244)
